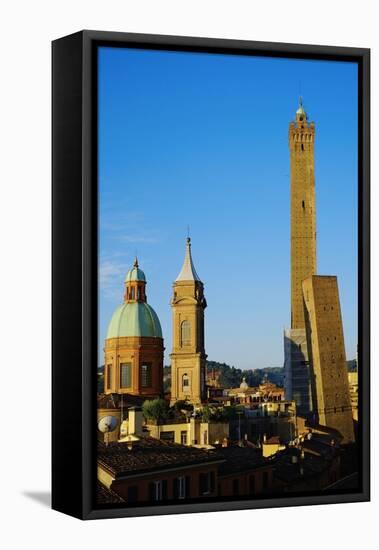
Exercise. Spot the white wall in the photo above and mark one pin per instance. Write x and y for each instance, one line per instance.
(26, 31)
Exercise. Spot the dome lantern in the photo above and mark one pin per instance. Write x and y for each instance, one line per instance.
(135, 284)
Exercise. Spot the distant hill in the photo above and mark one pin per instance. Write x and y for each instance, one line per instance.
(230, 377)
(351, 365)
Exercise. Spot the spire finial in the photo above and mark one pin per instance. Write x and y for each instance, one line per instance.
(188, 272)
(136, 262)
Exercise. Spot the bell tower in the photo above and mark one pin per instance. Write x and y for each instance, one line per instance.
(188, 353)
(303, 210)
(301, 136)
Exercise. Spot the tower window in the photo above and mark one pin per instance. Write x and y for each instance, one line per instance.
(109, 377)
(303, 204)
(125, 375)
(302, 146)
(185, 383)
(146, 375)
(132, 293)
(185, 333)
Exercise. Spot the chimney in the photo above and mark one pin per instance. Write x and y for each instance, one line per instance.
(135, 421)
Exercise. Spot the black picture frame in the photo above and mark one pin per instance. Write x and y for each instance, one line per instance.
(74, 269)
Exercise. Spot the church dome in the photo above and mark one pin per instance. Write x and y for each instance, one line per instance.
(134, 319)
(135, 274)
(244, 385)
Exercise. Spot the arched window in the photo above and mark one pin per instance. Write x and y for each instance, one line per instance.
(132, 293)
(185, 383)
(185, 333)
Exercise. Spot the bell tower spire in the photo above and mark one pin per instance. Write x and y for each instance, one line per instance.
(188, 352)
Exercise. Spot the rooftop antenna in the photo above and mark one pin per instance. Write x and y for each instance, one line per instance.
(106, 425)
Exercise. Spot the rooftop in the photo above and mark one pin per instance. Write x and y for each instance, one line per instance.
(113, 401)
(134, 319)
(149, 454)
(239, 459)
(105, 495)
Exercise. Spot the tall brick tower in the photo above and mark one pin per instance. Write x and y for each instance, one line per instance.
(188, 353)
(303, 211)
(326, 347)
(303, 255)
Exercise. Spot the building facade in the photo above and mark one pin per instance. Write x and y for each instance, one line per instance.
(133, 352)
(188, 352)
(303, 256)
(332, 405)
(154, 471)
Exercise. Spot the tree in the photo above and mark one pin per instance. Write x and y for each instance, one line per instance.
(155, 409)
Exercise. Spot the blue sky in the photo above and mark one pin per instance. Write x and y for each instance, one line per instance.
(201, 140)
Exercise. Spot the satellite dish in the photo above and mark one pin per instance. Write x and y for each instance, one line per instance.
(107, 424)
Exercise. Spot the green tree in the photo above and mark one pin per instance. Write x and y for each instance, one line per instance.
(206, 414)
(155, 409)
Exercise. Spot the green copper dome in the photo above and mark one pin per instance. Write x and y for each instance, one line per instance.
(134, 319)
(135, 274)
